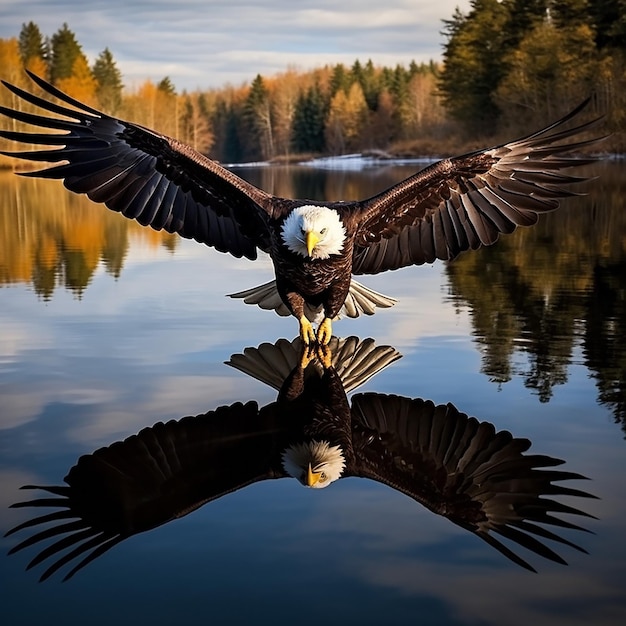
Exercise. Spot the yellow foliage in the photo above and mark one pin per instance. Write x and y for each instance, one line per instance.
(37, 66)
(48, 253)
(44, 228)
(151, 107)
(346, 119)
(81, 84)
(10, 61)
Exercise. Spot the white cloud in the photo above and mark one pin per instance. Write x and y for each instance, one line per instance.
(209, 44)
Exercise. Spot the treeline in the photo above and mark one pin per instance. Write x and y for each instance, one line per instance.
(509, 66)
(334, 109)
(522, 62)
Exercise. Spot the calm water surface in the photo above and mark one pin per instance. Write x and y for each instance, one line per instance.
(107, 328)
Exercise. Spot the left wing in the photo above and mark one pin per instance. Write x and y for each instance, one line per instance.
(162, 473)
(467, 201)
(142, 174)
(462, 469)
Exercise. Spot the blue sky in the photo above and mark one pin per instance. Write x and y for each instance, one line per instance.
(208, 43)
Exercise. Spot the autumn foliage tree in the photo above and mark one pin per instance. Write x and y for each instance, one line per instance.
(10, 61)
(80, 83)
(347, 117)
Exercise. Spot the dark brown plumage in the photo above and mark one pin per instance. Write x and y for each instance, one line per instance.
(453, 464)
(454, 205)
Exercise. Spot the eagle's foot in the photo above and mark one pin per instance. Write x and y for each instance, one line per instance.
(307, 334)
(325, 355)
(325, 331)
(307, 354)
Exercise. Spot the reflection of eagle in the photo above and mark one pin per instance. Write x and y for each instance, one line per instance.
(453, 464)
(454, 205)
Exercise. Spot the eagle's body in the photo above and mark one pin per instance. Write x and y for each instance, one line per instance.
(453, 205)
(322, 450)
(320, 281)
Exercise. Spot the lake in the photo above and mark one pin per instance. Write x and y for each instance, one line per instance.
(107, 328)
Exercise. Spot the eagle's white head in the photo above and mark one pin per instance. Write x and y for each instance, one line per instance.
(315, 464)
(314, 231)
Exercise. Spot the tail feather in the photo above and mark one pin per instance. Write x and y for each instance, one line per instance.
(266, 296)
(355, 360)
(361, 300)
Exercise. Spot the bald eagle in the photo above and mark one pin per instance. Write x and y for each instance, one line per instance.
(454, 465)
(456, 204)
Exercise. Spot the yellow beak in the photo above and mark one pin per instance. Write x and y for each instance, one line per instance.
(312, 477)
(311, 241)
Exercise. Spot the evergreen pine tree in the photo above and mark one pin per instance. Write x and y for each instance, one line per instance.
(339, 79)
(232, 149)
(258, 120)
(32, 43)
(524, 15)
(64, 50)
(399, 90)
(109, 82)
(368, 79)
(474, 63)
(569, 13)
(308, 121)
(166, 86)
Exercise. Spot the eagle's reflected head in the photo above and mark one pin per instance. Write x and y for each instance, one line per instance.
(314, 231)
(315, 463)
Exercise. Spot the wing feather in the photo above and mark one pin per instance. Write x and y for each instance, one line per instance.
(131, 170)
(465, 202)
(149, 479)
(464, 470)
(427, 240)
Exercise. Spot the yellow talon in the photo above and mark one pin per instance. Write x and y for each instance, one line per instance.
(307, 334)
(307, 354)
(325, 331)
(325, 355)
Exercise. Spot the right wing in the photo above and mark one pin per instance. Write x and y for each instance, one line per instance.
(464, 470)
(468, 201)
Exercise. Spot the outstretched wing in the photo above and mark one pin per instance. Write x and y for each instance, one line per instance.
(160, 474)
(464, 470)
(465, 202)
(144, 175)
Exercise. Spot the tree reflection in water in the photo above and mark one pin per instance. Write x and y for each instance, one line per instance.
(547, 291)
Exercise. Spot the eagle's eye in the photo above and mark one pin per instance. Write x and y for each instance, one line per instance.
(322, 231)
(322, 475)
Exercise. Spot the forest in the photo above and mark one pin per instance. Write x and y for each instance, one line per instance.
(508, 66)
